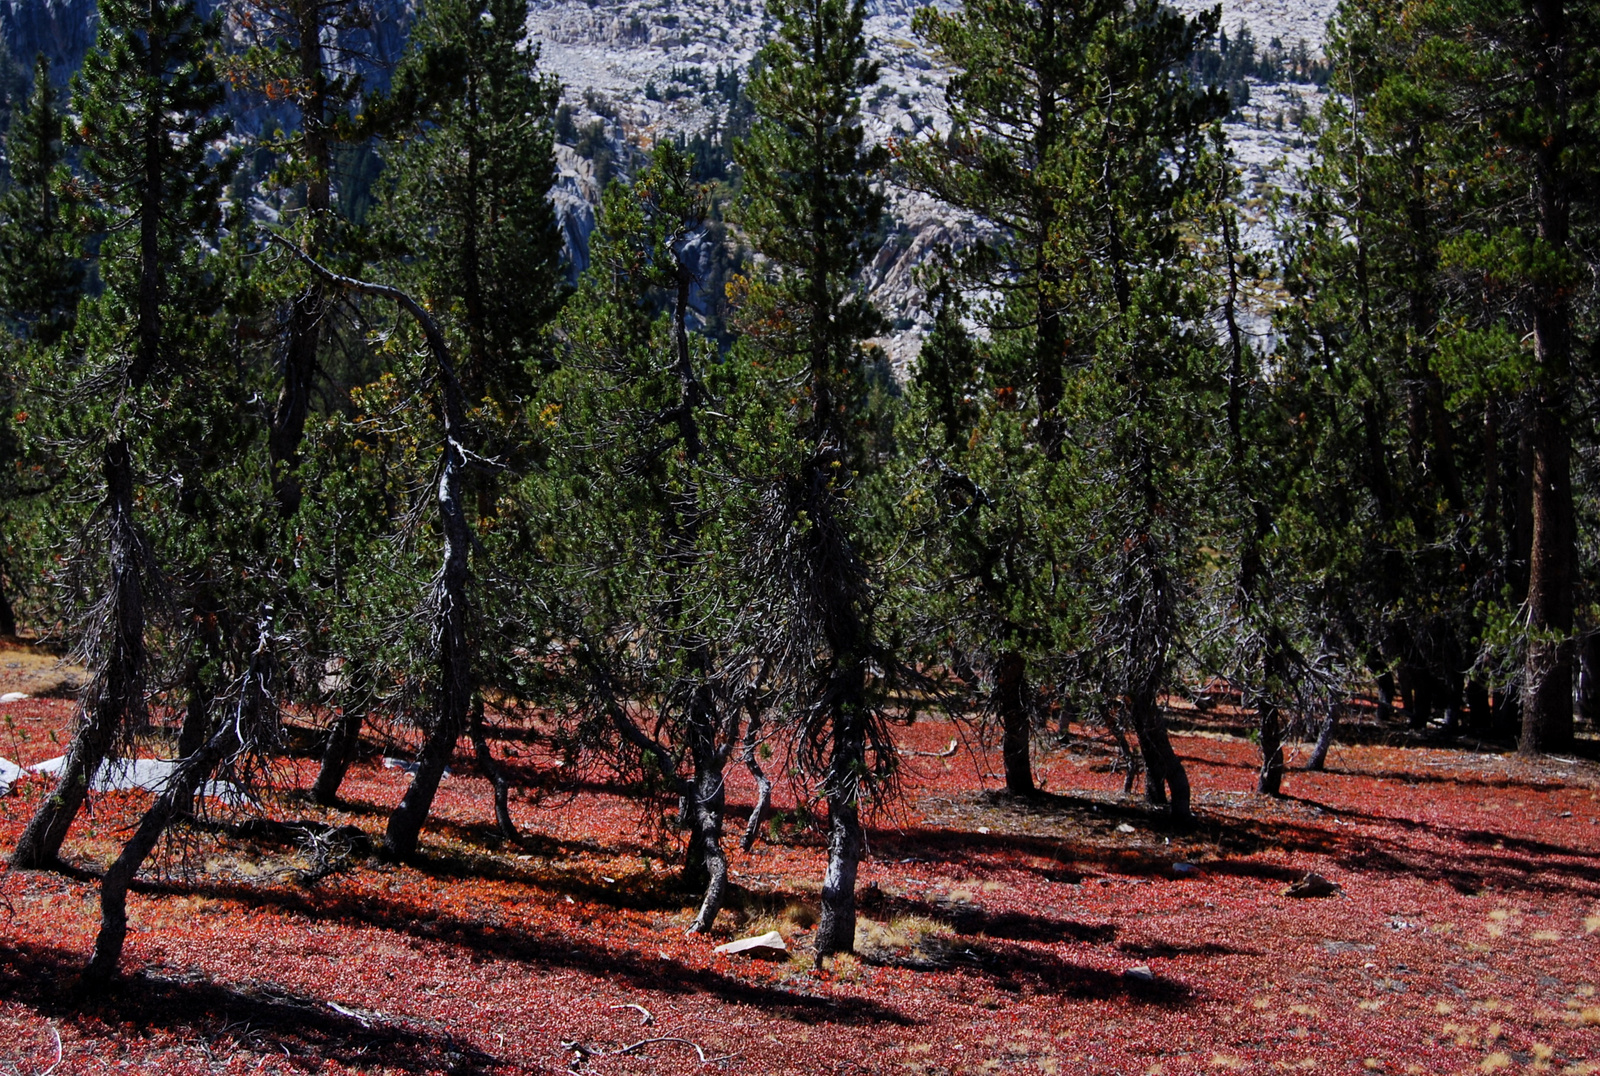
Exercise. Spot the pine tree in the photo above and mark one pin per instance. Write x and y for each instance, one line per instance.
(470, 182)
(42, 272)
(812, 209)
(298, 53)
(145, 102)
(641, 480)
(1077, 133)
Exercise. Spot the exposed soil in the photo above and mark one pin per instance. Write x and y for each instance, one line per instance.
(37, 672)
(1071, 933)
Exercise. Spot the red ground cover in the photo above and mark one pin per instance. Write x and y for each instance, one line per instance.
(1464, 939)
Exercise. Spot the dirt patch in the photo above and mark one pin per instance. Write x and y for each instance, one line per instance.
(37, 672)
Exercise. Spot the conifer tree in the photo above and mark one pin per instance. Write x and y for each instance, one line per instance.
(644, 483)
(145, 104)
(812, 210)
(41, 278)
(298, 52)
(1076, 132)
(470, 182)
(42, 272)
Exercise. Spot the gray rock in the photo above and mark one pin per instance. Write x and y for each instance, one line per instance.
(768, 946)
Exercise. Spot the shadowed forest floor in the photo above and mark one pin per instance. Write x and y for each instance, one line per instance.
(1054, 935)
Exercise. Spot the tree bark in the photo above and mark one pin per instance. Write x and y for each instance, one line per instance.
(836, 933)
(8, 616)
(707, 803)
(752, 826)
(1269, 779)
(1547, 677)
(1319, 754)
(173, 802)
(1010, 701)
(338, 754)
(115, 697)
(1164, 770)
(496, 775)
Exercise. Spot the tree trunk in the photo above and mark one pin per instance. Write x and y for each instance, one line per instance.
(338, 754)
(1589, 678)
(1386, 693)
(752, 825)
(1547, 678)
(1319, 754)
(115, 697)
(173, 802)
(846, 842)
(1010, 700)
(1269, 780)
(8, 616)
(707, 802)
(1164, 770)
(495, 773)
(304, 334)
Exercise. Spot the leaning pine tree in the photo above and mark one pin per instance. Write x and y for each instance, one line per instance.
(146, 102)
(811, 210)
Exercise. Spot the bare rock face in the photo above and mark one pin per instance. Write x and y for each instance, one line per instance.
(646, 70)
(61, 29)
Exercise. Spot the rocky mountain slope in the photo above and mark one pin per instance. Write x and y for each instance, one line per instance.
(642, 68)
(636, 71)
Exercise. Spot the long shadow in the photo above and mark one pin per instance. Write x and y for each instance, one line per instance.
(1467, 873)
(550, 949)
(1022, 970)
(1528, 845)
(972, 919)
(1172, 949)
(45, 979)
(1411, 777)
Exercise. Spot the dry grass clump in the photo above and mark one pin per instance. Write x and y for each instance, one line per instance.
(912, 941)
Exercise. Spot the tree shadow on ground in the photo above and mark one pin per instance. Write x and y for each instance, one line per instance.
(1019, 969)
(547, 948)
(267, 1019)
(1521, 864)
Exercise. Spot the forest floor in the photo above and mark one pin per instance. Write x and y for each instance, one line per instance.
(1064, 934)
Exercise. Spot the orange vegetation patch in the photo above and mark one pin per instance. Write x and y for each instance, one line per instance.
(1051, 936)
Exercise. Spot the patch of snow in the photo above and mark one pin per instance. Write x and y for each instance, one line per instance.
(151, 774)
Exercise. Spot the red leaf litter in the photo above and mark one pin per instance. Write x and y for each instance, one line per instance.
(1075, 933)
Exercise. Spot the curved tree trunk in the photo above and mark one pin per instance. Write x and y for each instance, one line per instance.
(707, 801)
(173, 803)
(1319, 754)
(495, 773)
(115, 697)
(752, 826)
(338, 755)
(455, 688)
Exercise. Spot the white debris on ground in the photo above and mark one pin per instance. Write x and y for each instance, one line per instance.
(13, 696)
(151, 774)
(9, 772)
